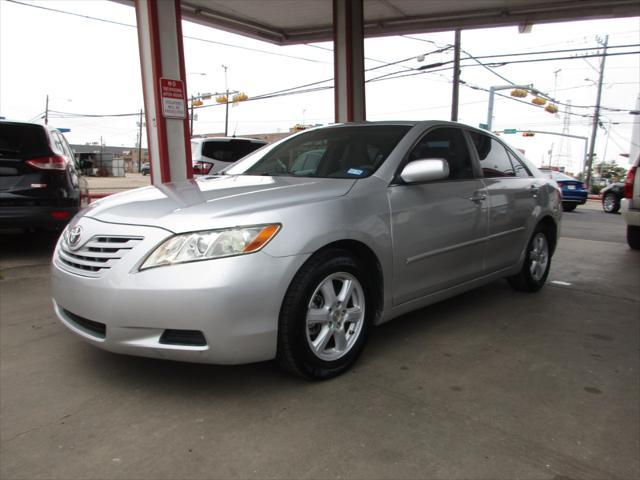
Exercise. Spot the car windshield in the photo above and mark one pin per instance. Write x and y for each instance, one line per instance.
(22, 141)
(336, 152)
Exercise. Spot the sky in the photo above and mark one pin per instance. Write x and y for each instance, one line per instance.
(92, 67)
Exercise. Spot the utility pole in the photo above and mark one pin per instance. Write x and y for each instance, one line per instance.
(596, 116)
(191, 118)
(101, 148)
(226, 113)
(140, 143)
(456, 78)
(46, 111)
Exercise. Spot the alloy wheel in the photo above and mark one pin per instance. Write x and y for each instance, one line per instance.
(335, 316)
(538, 256)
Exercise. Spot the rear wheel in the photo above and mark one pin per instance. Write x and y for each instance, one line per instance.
(610, 202)
(325, 316)
(537, 262)
(633, 236)
(569, 207)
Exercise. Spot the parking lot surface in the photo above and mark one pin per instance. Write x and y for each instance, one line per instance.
(491, 384)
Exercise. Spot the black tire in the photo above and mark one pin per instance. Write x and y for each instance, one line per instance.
(569, 207)
(294, 352)
(633, 236)
(610, 202)
(526, 280)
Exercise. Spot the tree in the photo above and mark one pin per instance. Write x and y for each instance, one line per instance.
(611, 171)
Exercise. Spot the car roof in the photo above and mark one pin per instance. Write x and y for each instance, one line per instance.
(225, 139)
(33, 124)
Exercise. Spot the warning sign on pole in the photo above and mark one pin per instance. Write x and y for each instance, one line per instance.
(174, 103)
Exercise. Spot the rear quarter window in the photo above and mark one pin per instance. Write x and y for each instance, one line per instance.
(228, 150)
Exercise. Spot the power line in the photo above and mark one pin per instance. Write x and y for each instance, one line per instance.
(122, 24)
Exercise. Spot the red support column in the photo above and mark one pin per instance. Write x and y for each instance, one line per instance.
(164, 87)
(348, 54)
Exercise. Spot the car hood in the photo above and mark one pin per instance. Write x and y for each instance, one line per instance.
(206, 202)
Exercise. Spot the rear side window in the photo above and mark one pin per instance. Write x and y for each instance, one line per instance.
(57, 143)
(448, 144)
(228, 150)
(494, 159)
(23, 141)
(519, 167)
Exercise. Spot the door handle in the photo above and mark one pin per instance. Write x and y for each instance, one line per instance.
(478, 197)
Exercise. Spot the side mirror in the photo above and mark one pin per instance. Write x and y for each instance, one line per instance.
(425, 170)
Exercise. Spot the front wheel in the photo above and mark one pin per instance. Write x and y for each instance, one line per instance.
(569, 207)
(610, 203)
(537, 262)
(325, 316)
(633, 236)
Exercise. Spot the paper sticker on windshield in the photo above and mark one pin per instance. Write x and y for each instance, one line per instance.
(355, 171)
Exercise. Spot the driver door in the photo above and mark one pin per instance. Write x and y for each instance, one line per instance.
(438, 227)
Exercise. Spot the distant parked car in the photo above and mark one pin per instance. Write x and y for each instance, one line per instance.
(611, 197)
(145, 168)
(573, 191)
(40, 183)
(631, 205)
(210, 155)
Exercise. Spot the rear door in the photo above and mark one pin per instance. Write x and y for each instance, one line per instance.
(439, 227)
(512, 201)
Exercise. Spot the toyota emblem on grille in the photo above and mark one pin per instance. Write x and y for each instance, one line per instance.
(74, 236)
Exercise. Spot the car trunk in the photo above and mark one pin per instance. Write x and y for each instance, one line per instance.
(20, 183)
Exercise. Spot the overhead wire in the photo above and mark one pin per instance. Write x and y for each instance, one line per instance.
(393, 75)
(122, 24)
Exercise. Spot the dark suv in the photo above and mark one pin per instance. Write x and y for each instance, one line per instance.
(40, 183)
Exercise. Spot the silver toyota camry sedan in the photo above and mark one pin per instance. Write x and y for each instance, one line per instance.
(297, 250)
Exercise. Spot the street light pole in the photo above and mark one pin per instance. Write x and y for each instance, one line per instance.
(46, 111)
(596, 116)
(226, 113)
(492, 93)
(140, 143)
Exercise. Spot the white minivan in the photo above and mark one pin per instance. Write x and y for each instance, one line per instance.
(210, 155)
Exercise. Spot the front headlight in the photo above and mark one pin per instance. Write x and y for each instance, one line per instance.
(195, 246)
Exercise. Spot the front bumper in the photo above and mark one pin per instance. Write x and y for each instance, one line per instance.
(572, 196)
(234, 301)
(630, 215)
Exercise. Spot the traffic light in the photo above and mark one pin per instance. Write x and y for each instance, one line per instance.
(528, 134)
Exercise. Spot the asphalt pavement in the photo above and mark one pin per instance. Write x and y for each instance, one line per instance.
(493, 384)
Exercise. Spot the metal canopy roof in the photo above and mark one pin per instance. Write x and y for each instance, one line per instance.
(287, 22)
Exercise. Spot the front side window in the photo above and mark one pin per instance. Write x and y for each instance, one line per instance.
(338, 152)
(448, 144)
(494, 159)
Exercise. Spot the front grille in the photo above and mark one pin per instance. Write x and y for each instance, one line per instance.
(192, 338)
(96, 256)
(95, 328)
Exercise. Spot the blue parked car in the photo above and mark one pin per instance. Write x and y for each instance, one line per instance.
(573, 191)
